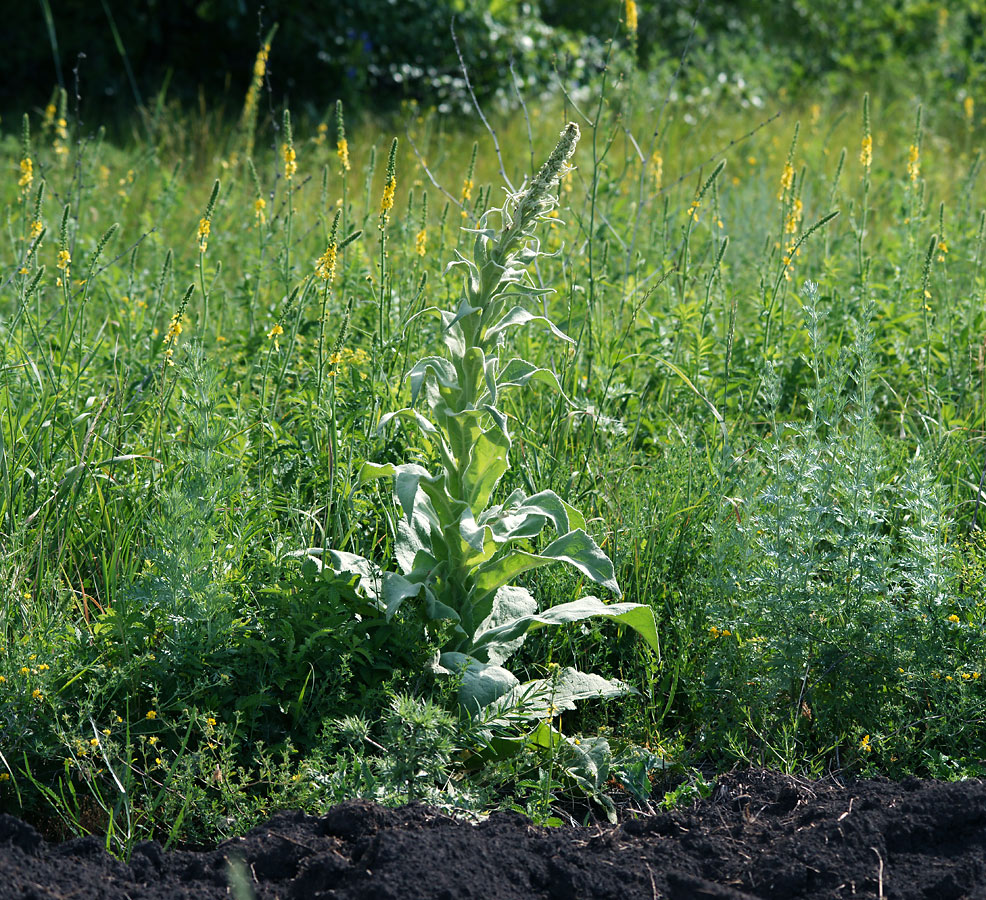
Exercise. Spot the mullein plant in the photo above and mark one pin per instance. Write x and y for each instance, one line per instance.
(458, 555)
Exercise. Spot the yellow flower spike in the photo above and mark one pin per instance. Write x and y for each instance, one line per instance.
(657, 167)
(205, 226)
(864, 744)
(290, 161)
(27, 173)
(631, 15)
(64, 261)
(390, 185)
(467, 184)
(259, 205)
(914, 163)
(866, 147)
(273, 335)
(421, 242)
(342, 145)
(969, 108)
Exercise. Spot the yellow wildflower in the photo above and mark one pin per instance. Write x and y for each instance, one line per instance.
(273, 334)
(421, 242)
(153, 740)
(64, 261)
(387, 200)
(151, 714)
(259, 205)
(4, 776)
(390, 185)
(467, 187)
(3, 680)
(260, 63)
(793, 221)
(27, 173)
(866, 152)
(36, 229)
(205, 226)
(325, 265)
(290, 161)
(210, 721)
(914, 163)
(942, 250)
(787, 179)
(631, 11)
(342, 145)
(969, 107)
(657, 166)
(323, 130)
(174, 329)
(953, 618)
(864, 744)
(37, 695)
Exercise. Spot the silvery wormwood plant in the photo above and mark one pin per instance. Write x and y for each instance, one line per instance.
(458, 555)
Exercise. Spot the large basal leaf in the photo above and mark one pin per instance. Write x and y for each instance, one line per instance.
(510, 602)
(633, 615)
(544, 698)
(481, 684)
(575, 548)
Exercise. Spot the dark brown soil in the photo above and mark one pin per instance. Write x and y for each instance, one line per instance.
(759, 835)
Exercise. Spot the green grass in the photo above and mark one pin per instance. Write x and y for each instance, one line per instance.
(788, 478)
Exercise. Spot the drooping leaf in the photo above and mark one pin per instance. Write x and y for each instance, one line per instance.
(520, 316)
(438, 367)
(481, 683)
(508, 603)
(575, 548)
(546, 697)
(634, 615)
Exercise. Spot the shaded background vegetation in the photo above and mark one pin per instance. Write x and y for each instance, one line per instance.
(380, 52)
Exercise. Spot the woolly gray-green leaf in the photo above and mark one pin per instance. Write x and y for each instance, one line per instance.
(575, 548)
(520, 316)
(633, 615)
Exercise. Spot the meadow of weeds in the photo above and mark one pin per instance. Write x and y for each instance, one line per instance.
(769, 406)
